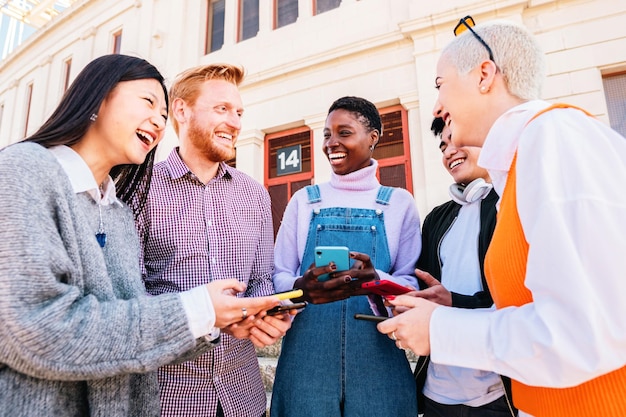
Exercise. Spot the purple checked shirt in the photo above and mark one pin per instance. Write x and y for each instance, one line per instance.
(193, 233)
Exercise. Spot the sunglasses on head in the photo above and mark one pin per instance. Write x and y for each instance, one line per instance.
(467, 23)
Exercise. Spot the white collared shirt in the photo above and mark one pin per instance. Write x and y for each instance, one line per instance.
(82, 178)
(571, 201)
(196, 302)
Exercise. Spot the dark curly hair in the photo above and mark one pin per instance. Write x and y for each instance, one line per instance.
(364, 110)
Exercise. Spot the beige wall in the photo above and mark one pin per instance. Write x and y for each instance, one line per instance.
(385, 51)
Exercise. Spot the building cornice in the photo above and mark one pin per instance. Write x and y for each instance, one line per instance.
(424, 26)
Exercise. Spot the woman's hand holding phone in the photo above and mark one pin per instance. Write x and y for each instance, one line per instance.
(265, 328)
(230, 309)
(262, 331)
(341, 284)
(269, 329)
(337, 255)
(316, 292)
(362, 271)
(321, 282)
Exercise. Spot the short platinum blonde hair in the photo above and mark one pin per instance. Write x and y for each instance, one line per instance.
(515, 51)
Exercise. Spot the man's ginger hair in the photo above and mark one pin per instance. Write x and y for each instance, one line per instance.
(187, 84)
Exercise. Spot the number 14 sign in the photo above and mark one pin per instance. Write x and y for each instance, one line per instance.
(289, 160)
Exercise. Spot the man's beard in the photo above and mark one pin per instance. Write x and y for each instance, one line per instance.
(205, 143)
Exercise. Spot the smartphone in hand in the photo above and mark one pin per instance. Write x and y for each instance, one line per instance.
(369, 317)
(385, 287)
(286, 295)
(283, 308)
(324, 255)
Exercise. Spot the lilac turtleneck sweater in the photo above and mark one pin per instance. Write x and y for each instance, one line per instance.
(356, 190)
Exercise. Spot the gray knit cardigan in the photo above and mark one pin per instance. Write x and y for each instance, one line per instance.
(78, 335)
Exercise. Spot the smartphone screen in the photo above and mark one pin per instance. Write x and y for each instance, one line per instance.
(324, 255)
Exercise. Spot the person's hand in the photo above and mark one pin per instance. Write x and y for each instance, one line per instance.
(410, 329)
(269, 329)
(319, 292)
(241, 329)
(230, 309)
(340, 285)
(262, 331)
(361, 271)
(435, 292)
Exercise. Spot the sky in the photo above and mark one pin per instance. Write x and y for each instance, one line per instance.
(12, 34)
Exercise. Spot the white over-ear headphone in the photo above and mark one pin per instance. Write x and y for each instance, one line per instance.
(474, 191)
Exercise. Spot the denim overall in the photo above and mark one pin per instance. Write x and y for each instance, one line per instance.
(332, 364)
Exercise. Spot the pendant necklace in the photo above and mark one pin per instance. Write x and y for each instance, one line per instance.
(101, 236)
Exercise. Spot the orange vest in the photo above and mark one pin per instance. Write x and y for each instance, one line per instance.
(505, 269)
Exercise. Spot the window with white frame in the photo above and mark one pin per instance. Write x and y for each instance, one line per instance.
(1, 114)
(248, 19)
(117, 42)
(29, 100)
(286, 12)
(322, 6)
(215, 26)
(67, 69)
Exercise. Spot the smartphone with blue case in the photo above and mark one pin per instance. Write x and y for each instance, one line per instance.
(324, 255)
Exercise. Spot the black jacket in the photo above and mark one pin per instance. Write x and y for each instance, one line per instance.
(436, 225)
